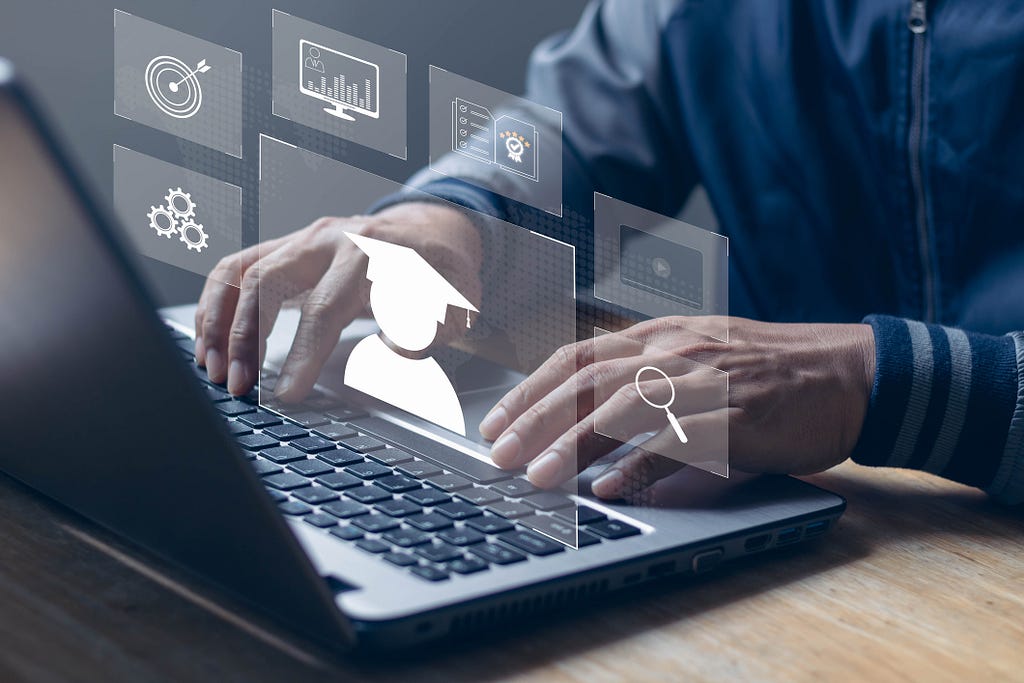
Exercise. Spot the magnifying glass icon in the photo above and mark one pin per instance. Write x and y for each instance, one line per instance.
(672, 419)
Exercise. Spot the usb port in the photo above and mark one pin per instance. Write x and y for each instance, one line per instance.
(755, 543)
(790, 535)
(817, 528)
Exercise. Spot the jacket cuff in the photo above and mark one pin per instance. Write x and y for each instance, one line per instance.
(942, 401)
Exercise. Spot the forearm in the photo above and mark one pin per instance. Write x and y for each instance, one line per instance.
(948, 402)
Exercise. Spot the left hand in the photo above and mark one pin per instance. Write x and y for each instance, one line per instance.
(797, 397)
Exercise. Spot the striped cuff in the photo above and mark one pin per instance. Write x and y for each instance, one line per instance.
(943, 402)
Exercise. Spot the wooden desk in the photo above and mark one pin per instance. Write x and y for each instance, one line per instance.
(922, 581)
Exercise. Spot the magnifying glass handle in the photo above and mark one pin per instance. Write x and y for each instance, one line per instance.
(676, 427)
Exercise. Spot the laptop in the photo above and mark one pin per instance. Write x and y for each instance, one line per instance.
(350, 528)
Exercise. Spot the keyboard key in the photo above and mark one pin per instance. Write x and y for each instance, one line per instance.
(285, 481)
(307, 419)
(368, 470)
(312, 444)
(283, 454)
(340, 457)
(438, 552)
(420, 469)
(315, 495)
(321, 520)
(406, 538)
(285, 431)
(548, 501)
(467, 565)
(372, 546)
(449, 482)
(398, 507)
(390, 456)
(464, 536)
(613, 529)
(427, 448)
(367, 494)
(429, 573)
(363, 444)
(400, 559)
(347, 533)
(339, 481)
(429, 522)
(489, 524)
(263, 467)
(310, 468)
(427, 497)
(234, 408)
(276, 496)
(510, 510)
(496, 554)
(260, 419)
(375, 523)
(335, 431)
(565, 532)
(294, 507)
(515, 488)
(345, 509)
(478, 496)
(254, 442)
(216, 394)
(397, 483)
(531, 543)
(583, 514)
(458, 510)
(238, 428)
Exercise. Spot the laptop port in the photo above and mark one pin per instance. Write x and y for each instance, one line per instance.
(790, 535)
(661, 569)
(816, 528)
(755, 543)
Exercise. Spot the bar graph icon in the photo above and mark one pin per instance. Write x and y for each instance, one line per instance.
(342, 81)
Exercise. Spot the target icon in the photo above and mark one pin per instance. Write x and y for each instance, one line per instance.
(174, 87)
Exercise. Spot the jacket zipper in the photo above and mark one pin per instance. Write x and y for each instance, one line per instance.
(918, 25)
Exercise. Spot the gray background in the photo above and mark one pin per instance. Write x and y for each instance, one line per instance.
(387, 132)
(65, 50)
(217, 122)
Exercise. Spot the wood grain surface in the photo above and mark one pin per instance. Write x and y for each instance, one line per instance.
(920, 581)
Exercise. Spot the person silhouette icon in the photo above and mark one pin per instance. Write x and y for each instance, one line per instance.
(408, 298)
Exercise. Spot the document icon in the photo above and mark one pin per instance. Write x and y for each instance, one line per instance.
(507, 142)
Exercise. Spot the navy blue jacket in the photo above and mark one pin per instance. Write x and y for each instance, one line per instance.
(866, 160)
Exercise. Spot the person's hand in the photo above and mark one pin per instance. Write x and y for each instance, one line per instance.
(797, 396)
(325, 270)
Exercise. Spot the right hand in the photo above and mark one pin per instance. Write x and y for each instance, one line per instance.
(327, 271)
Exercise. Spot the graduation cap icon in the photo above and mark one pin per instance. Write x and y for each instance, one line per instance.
(408, 298)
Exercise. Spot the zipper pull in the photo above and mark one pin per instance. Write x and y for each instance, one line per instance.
(918, 20)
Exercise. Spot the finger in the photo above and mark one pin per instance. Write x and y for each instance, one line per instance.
(325, 313)
(632, 475)
(619, 420)
(216, 307)
(266, 285)
(559, 367)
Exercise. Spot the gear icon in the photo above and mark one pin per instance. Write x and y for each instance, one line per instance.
(193, 235)
(180, 202)
(164, 230)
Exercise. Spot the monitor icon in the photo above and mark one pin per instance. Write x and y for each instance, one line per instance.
(342, 81)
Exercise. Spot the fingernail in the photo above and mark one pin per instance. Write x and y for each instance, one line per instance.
(284, 383)
(608, 484)
(505, 451)
(214, 365)
(544, 470)
(200, 352)
(238, 378)
(494, 423)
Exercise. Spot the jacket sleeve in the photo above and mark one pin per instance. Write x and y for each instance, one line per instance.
(621, 132)
(948, 402)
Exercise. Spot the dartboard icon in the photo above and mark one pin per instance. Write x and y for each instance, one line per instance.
(174, 87)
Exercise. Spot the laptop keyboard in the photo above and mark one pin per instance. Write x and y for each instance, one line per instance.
(413, 502)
